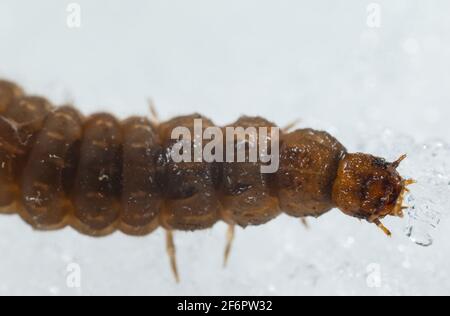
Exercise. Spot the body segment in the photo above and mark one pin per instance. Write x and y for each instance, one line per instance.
(45, 189)
(98, 185)
(249, 196)
(141, 198)
(309, 162)
(190, 188)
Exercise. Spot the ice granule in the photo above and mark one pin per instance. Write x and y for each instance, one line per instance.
(429, 199)
(427, 163)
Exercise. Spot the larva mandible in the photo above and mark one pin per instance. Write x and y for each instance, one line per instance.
(98, 175)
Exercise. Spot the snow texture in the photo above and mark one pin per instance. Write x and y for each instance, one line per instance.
(382, 89)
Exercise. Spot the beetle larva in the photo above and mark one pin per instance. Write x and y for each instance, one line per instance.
(99, 175)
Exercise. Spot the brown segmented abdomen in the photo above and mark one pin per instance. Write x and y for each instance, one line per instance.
(98, 174)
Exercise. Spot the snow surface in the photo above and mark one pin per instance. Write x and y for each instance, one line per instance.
(382, 90)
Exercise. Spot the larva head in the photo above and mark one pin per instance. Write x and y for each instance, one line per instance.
(369, 188)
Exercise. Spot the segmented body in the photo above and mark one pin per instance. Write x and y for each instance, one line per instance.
(98, 174)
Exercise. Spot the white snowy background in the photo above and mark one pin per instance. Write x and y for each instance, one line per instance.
(380, 89)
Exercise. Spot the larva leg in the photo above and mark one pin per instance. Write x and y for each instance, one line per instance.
(382, 227)
(230, 238)
(288, 128)
(172, 255)
(154, 116)
(304, 222)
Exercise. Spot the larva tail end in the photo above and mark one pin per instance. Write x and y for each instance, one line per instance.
(370, 188)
